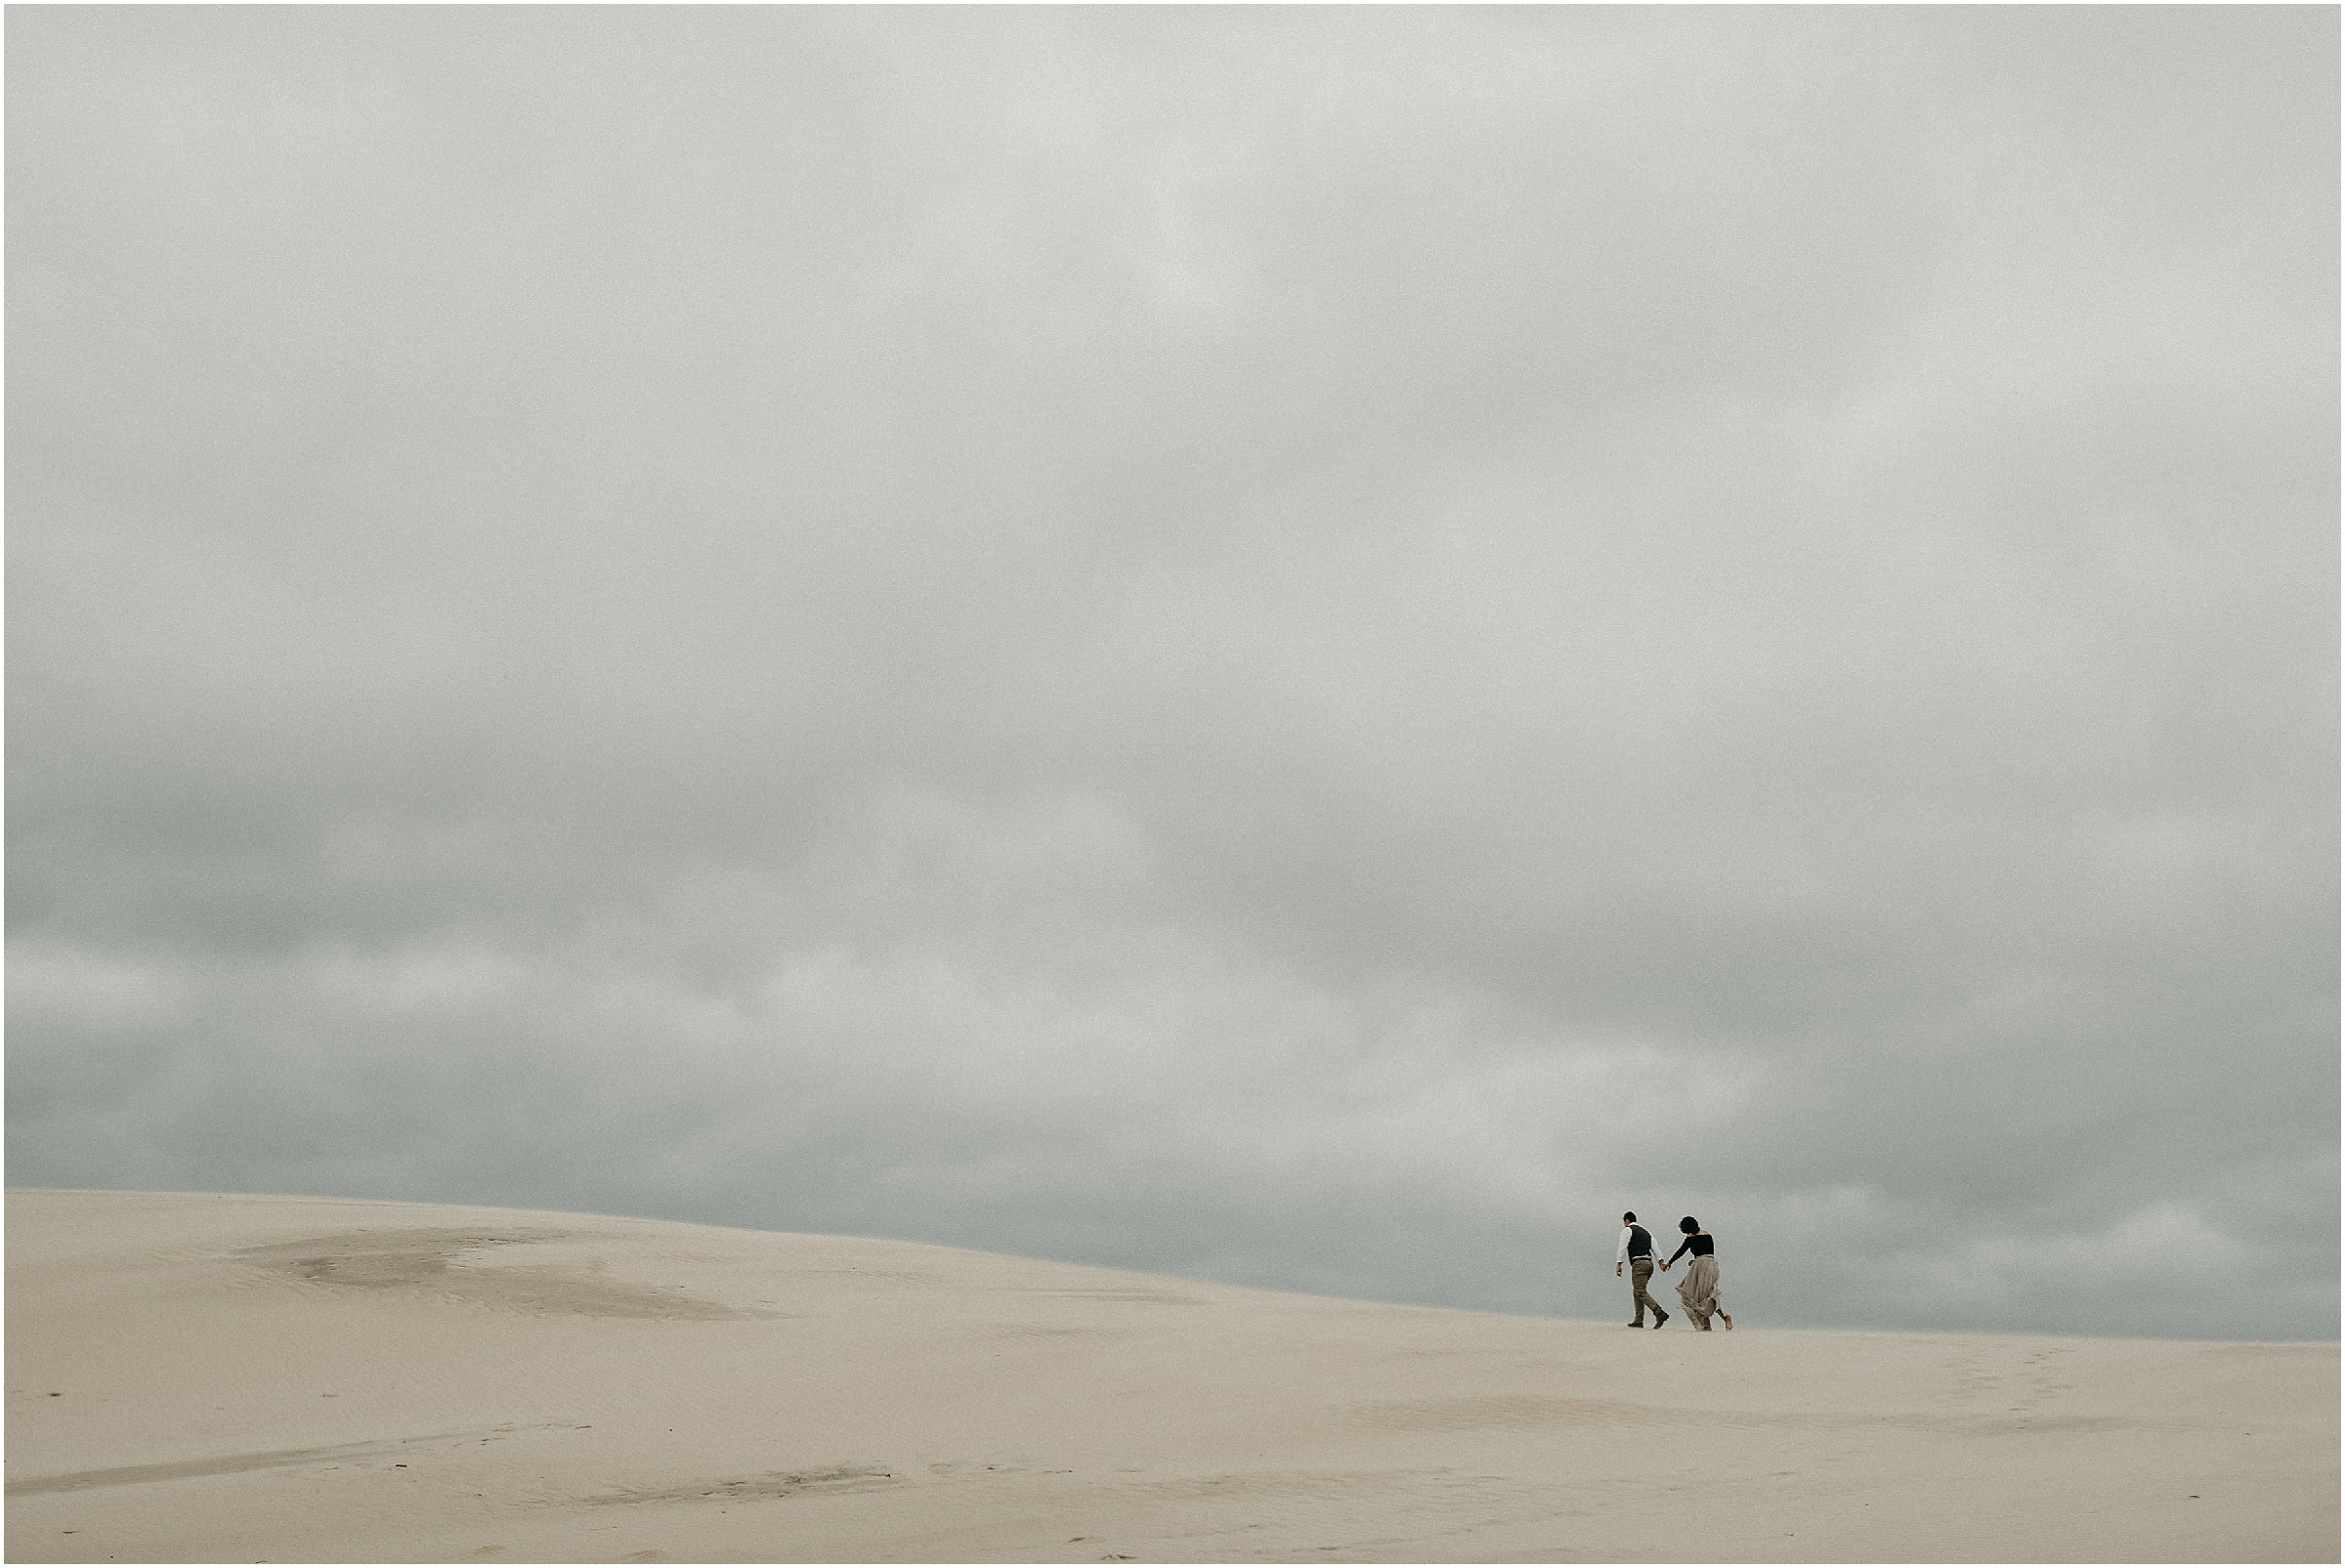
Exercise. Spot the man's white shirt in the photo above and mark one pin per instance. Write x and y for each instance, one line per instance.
(1622, 1256)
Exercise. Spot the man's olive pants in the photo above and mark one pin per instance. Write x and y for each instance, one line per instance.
(1640, 1269)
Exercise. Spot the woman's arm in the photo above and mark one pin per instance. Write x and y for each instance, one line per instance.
(1681, 1252)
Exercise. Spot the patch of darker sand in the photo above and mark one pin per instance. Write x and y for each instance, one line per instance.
(429, 1262)
(235, 1463)
(754, 1488)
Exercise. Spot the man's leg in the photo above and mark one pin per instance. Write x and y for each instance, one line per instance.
(1641, 1270)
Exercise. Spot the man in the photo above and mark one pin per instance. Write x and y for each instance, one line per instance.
(1636, 1252)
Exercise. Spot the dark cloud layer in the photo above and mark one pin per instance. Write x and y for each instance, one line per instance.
(1310, 646)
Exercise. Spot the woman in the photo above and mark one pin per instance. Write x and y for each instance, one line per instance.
(1699, 1292)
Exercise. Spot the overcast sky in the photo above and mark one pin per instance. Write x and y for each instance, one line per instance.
(1307, 647)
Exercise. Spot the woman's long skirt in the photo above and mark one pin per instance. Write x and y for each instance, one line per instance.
(1698, 1289)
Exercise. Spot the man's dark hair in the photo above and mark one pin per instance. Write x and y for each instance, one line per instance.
(1629, 1218)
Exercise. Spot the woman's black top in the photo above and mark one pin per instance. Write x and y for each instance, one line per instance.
(1699, 1244)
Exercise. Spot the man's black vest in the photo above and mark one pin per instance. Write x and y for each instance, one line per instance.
(1641, 1243)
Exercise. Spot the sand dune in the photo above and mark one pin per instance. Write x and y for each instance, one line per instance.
(196, 1378)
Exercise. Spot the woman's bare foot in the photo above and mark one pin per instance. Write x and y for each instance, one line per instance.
(1724, 1319)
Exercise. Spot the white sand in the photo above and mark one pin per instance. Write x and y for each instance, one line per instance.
(196, 1378)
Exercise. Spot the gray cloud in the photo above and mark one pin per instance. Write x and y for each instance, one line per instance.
(1313, 646)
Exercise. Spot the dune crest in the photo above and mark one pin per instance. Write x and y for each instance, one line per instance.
(199, 1377)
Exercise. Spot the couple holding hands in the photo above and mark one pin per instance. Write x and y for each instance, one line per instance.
(1700, 1288)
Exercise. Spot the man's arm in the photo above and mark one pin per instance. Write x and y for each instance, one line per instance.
(1622, 1255)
